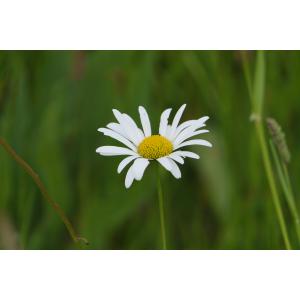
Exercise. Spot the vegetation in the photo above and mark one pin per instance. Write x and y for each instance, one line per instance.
(52, 102)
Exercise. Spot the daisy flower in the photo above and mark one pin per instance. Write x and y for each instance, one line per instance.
(142, 147)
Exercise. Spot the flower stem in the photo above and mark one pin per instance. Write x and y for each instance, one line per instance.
(27, 168)
(161, 210)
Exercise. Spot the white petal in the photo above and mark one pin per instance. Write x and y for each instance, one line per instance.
(138, 133)
(187, 154)
(118, 116)
(165, 162)
(113, 151)
(177, 119)
(175, 169)
(195, 123)
(130, 132)
(168, 132)
(164, 121)
(117, 128)
(129, 177)
(188, 133)
(125, 162)
(139, 167)
(175, 156)
(184, 125)
(118, 137)
(194, 142)
(145, 121)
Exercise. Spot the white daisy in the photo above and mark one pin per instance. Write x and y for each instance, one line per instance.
(143, 147)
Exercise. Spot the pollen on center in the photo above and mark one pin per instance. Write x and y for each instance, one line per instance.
(155, 146)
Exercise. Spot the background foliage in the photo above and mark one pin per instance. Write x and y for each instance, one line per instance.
(51, 104)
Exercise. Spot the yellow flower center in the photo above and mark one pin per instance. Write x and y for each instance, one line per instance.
(155, 146)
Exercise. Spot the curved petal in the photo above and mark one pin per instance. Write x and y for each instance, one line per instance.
(117, 128)
(145, 121)
(125, 162)
(177, 119)
(114, 151)
(194, 142)
(175, 169)
(137, 131)
(175, 156)
(186, 134)
(118, 116)
(183, 126)
(130, 132)
(118, 137)
(168, 132)
(164, 121)
(139, 167)
(165, 162)
(129, 177)
(196, 124)
(187, 154)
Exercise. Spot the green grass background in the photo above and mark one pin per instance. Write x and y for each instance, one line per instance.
(51, 104)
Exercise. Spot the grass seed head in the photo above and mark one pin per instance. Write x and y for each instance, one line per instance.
(278, 138)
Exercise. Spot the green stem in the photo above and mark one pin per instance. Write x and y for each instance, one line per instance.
(287, 176)
(270, 176)
(295, 209)
(27, 168)
(161, 210)
(287, 189)
(246, 70)
(257, 98)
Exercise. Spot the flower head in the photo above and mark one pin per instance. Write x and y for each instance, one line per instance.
(143, 147)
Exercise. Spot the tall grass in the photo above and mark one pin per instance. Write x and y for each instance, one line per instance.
(281, 158)
(257, 98)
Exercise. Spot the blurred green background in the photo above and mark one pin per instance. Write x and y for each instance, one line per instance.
(51, 104)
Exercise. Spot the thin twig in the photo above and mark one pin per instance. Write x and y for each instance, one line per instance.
(27, 168)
